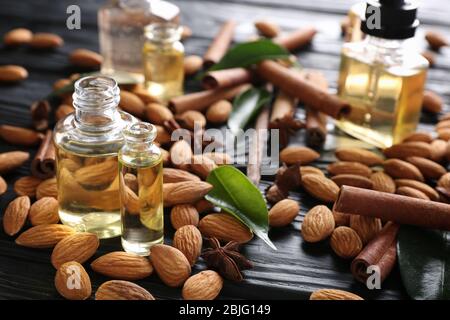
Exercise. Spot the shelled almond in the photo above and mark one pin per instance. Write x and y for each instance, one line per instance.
(85, 58)
(294, 154)
(63, 277)
(18, 36)
(345, 242)
(46, 41)
(12, 73)
(188, 240)
(44, 236)
(122, 290)
(224, 227)
(123, 266)
(170, 264)
(318, 224)
(44, 211)
(205, 285)
(16, 215)
(78, 247)
(20, 136)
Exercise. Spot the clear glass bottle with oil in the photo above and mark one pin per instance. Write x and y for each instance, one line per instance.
(121, 32)
(382, 78)
(87, 143)
(163, 55)
(141, 185)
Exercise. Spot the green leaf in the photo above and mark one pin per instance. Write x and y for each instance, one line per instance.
(246, 106)
(235, 194)
(245, 54)
(424, 260)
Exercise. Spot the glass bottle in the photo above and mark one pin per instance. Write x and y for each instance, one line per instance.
(121, 32)
(163, 60)
(87, 142)
(355, 15)
(141, 185)
(382, 78)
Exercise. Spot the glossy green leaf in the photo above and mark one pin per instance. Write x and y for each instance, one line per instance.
(235, 194)
(246, 106)
(424, 260)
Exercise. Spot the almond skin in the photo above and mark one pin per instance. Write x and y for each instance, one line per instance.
(123, 266)
(283, 213)
(346, 167)
(294, 154)
(192, 64)
(72, 281)
(12, 73)
(345, 242)
(201, 165)
(382, 182)
(320, 187)
(267, 29)
(190, 118)
(360, 155)
(409, 149)
(12, 160)
(26, 186)
(428, 168)
(304, 170)
(157, 113)
(17, 37)
(444, 134)
(411, 192)
(47, 188)
(122, 290)
(171, 175)
(333, 294)
(170, 264)
(188, 240)
(438, 150)
(181, 155)
(318, 224)
(436, 40)
(402, 170)
(3, 186)
(353, 180)
(366, 227)
(20, 136)
(444, 181)
(225, 228)
(183, 215)
(419, 136)
(422, 187)
(219, 112)
(131, 103)
(186, 192)
(85, 58)
(78, 247)
(15, 215)
(46, 41)
(44, 211)
(205, 285)
(44, 236)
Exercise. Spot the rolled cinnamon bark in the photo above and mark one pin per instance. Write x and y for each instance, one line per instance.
(260, 140)
(226, 78)
(316, 122)
(393, 207)
(296, 39)
(220, 44)
(201, 100)
(43, 165)
(294, 83)
(381, 252)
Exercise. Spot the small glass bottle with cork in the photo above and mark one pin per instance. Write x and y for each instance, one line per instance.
(381, 77)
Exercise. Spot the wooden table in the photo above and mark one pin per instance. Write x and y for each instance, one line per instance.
(297, 268)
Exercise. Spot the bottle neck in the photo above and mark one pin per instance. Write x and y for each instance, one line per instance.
(163, 33)
(385, 47)
(139, 136)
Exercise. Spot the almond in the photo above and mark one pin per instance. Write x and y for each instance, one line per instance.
(219, 158)
(225, 228)
(267, 29)
(304, 170)
(186, 33)
(123, 266)
(26, 186)
(189, 119)
(170, 264)
(333, 294)
(366, 227)
(345, 242)
(419, 136)
(438, 150)
(409, 149)
(15, 215)
(426, 189)
(44, 236)
(363, 156)
(12, 160)
(16, 37)
(436, 40)
(72, 281)
(131, 103)
(444, 134)
(61, 83)
(192, 64)
(12, 73)
(47, 188)
(122, 290)
(63, 110)
(20, 136)
(353, 180)
(432, 102)
(186, 192)
(188, 240)
(444, 181)
(294, 154)
(382, 182)
(183, 215)
(3, 186)
(320, 187)
(444, 124)
(283, 213)
(402, 170)
(201, 165)
(219, 112)
(181, 154)
(162, 136)
(46, 41)
(143, 94)
(318, 224)
(171, 175)
(346, 167)
(205, 285)
(44, 211)
(428, 168)
(97, 175)
(85, 58)
(413, 193)
(157, 113)
(78, 247)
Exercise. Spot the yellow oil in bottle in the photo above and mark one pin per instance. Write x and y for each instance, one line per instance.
(386, 101)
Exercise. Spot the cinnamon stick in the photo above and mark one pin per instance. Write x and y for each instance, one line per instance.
(380, 251)
(43, 165)
(40, 111)
(393, 207)
(316, 122)
(294, 83)
(296, 39)
(220, 44)
(201, 100)
(226, 78)
(260, 140)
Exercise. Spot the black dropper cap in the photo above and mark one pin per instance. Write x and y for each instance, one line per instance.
(397, 19)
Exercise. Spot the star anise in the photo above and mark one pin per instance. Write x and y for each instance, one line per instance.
(227, 260)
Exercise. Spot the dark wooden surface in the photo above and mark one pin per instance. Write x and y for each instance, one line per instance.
(297, 268)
